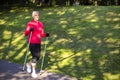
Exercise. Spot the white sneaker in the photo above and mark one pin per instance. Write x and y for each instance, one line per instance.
(34, 75)
(28, 68)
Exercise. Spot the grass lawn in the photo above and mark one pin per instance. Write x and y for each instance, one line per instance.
(84, 41)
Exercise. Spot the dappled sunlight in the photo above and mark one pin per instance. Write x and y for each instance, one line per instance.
(11, 23)
(90, 37)
(111, 40)
(114, 52)
(20, 54)
(76, 21)
(64, 52)
(63, 63)
(50, 13)
(92, 18)
(2, 22)
(7, 34)
(63, 22)
(114, 19)
(83, 43)
(17, 39)
(97, 26)
(60, 13)
(21, 16)
(109, 76)
(12, 11)
(27, 17)
(17, 47)
(88, 50)
(89, 77)
(62, 41)
(111, 13)
(64, 26)
(73, 31)
(71, 9)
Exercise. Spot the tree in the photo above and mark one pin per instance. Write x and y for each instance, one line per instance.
(60, 2)
(12, 2)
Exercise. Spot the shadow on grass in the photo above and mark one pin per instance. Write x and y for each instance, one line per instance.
(84, 41)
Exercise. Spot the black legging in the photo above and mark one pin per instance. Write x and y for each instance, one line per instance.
(35, 51)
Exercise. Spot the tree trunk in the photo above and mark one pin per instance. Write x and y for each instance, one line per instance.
(116, 2)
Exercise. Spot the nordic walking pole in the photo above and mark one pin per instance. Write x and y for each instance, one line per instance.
(27, 52)
(43, 55)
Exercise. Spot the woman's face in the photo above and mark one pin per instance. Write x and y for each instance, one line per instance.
(36, 16)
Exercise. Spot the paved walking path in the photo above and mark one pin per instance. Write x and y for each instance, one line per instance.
(13, 71)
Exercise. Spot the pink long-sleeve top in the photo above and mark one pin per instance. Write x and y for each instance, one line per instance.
(36, 34)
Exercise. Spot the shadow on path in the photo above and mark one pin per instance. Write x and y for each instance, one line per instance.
(13, 71)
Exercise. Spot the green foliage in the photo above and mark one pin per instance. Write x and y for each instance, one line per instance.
(84, 41)
(57, 2)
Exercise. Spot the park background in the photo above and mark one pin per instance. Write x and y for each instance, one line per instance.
(84, 37)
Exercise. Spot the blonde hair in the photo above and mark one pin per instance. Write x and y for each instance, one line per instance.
(35, 12)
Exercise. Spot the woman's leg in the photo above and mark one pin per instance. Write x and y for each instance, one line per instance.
(35, 51)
